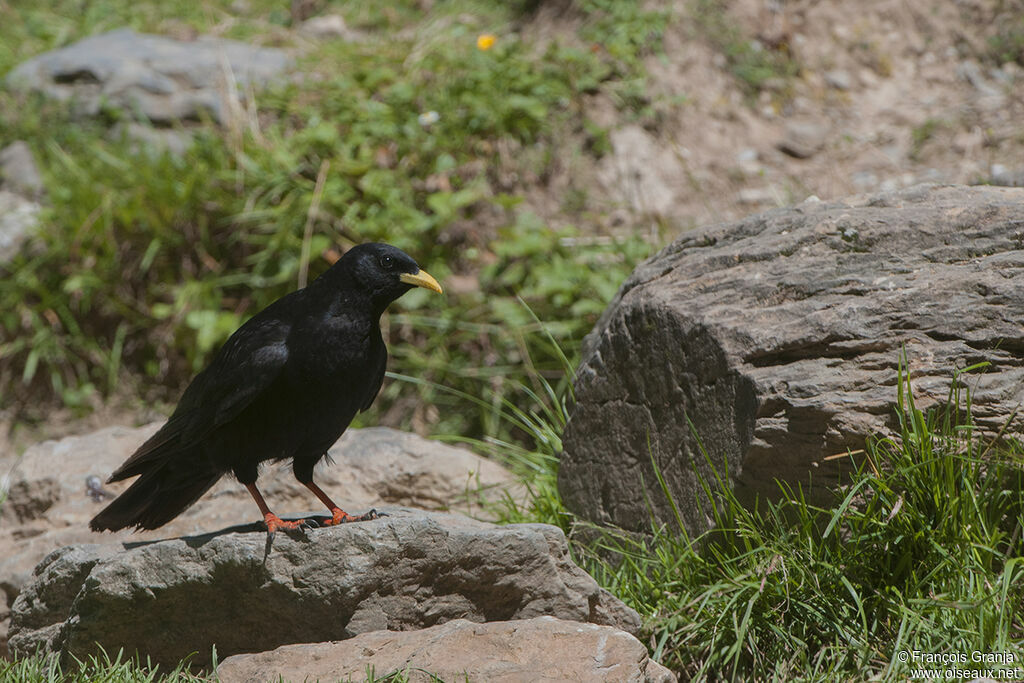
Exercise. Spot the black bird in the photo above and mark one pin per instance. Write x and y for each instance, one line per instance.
(285, 385)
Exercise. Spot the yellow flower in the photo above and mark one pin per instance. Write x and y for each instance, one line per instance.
(486, 41)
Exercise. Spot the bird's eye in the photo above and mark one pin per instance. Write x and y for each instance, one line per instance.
(386, 261)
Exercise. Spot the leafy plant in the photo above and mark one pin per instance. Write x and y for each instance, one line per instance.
(145, 262)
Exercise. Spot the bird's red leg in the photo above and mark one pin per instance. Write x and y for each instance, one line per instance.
(338, 516)
(272, 521)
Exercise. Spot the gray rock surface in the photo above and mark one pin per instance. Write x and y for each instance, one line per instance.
(407, 571)
(839, 79)
(49, 506)
(779, 336)
(802, 139)
(540, 649)
(161, 79)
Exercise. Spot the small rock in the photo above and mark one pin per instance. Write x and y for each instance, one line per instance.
(539, 649)
(329, 26)
(889, 185)
(839, 79)
(1002, 76)
(930, 175)
(867, 77)
(748, 162)
(1012, 71)
(18, 170)
(1006, 177)
(18, 217)
(802, 139)
(865, 180)
(642, 169)
(746, 155)
(756, 195)
(172, 140)
(971, 72)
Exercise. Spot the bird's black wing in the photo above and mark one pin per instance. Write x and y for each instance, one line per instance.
(379, 362)
(245, 367)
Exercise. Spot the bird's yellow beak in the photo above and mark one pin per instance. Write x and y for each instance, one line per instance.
(421, 279)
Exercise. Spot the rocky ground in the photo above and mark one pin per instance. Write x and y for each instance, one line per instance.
(56, 487)
(430, 591)
(875, 97)
(888, 94)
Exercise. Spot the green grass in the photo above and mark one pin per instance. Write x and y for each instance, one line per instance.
(921, 553)
(145, 263)
(1007, 44)
(100, 668)
(755, 66)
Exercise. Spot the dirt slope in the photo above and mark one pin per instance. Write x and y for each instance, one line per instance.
(887, 94)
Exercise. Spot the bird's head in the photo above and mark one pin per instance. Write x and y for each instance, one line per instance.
(386, 272)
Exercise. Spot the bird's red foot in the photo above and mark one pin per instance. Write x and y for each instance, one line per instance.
(274, 523)
(339, 516)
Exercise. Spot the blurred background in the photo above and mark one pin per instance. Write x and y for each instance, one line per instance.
(158, 191)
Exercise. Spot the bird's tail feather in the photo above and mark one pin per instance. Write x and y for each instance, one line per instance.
(156, 497)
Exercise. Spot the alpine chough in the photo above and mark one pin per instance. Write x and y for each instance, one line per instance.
(284, 386)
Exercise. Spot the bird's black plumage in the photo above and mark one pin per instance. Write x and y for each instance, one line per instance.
(285, 385)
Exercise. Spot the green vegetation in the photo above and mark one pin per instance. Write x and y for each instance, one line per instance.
(1007, 45)
(104, 669)
(96, 669)
(755, 65)
(923, 553)
(146, 262)
(920, 135)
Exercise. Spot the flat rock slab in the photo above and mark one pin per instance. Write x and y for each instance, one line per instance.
(410, 570)
(162, 79)
(779, 338)
(49, 506)
(539, 649)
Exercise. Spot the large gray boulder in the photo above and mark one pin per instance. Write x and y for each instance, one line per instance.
(409, 570)
(49, 504)
(542, 649)
(778, 337)
(161, 79)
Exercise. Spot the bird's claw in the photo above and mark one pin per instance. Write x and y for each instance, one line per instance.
(275, 523)
(342, 517)
(293, 528)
